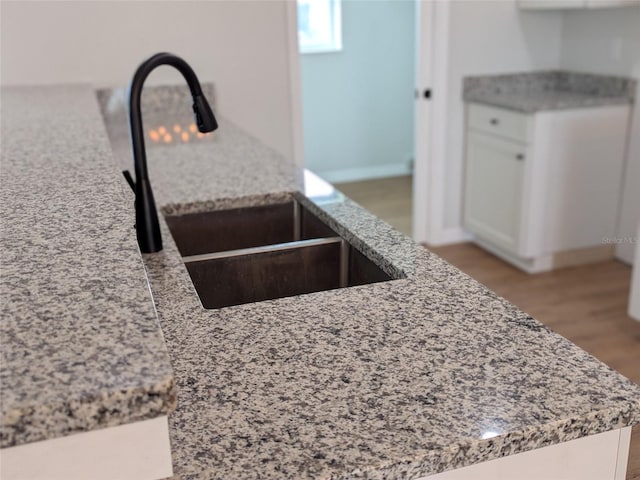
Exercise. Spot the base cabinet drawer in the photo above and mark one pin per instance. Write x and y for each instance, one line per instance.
(508, 124)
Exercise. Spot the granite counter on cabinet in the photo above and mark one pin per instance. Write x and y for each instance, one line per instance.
(81, 347)
(393, 380)
(548, 90)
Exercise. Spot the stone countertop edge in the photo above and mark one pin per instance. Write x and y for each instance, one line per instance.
(392, 380)
(530, 92)
(82, 348)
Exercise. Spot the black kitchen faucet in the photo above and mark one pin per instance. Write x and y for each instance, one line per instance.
(147, 225)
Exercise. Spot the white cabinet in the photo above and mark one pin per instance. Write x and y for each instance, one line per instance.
(573, 4)
(542, 184)
(494, 184)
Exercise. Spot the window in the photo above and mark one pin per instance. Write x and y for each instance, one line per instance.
(319, 26)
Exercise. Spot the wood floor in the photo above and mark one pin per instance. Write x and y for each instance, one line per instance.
(586, 304)
(387, 198)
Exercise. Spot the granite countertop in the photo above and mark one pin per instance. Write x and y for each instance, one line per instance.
(81, 346)
(548, 90)
(393, 380)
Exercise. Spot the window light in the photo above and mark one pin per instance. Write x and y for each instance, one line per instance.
(319, 26)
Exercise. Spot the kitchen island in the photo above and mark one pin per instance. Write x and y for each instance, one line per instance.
(407, 378)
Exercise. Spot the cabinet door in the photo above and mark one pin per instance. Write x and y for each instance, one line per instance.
(493, 190)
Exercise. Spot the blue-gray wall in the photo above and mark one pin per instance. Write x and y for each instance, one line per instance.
(358, 103)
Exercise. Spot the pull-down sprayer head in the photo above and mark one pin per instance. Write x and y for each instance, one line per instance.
(205, 120)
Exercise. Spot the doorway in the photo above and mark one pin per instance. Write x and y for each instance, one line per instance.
(358, 103)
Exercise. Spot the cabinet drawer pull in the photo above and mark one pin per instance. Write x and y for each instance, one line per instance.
(520, 156)
(493, 121)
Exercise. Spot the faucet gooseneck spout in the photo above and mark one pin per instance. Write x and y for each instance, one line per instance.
(147, 225)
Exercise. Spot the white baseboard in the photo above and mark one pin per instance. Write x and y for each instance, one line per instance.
(625, 252)
(446, 236)
(540, 264)
(454, 235)
(135, 451)
(364, 173)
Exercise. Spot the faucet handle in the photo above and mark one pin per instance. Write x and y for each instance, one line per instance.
(129, 178)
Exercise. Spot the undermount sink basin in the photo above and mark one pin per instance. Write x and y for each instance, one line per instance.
(233, 229)
(247, 255)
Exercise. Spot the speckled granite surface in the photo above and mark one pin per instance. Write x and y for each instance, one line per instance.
(81, 347)
(393, 380)
(548, 90)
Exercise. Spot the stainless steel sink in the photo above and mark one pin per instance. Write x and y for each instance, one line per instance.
(260, 253)
(237, 228)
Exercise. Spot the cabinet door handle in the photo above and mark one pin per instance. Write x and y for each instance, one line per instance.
(493, 121)
(520, 156)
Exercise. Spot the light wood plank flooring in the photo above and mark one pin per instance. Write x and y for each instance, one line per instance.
(387, 198)
(586, 304)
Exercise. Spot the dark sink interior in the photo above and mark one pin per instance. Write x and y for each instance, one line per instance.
(224, 230)
(247, 255)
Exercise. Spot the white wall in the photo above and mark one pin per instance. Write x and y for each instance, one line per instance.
(608, 41)
(358, 103)
(490, 37)
(241, 46)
